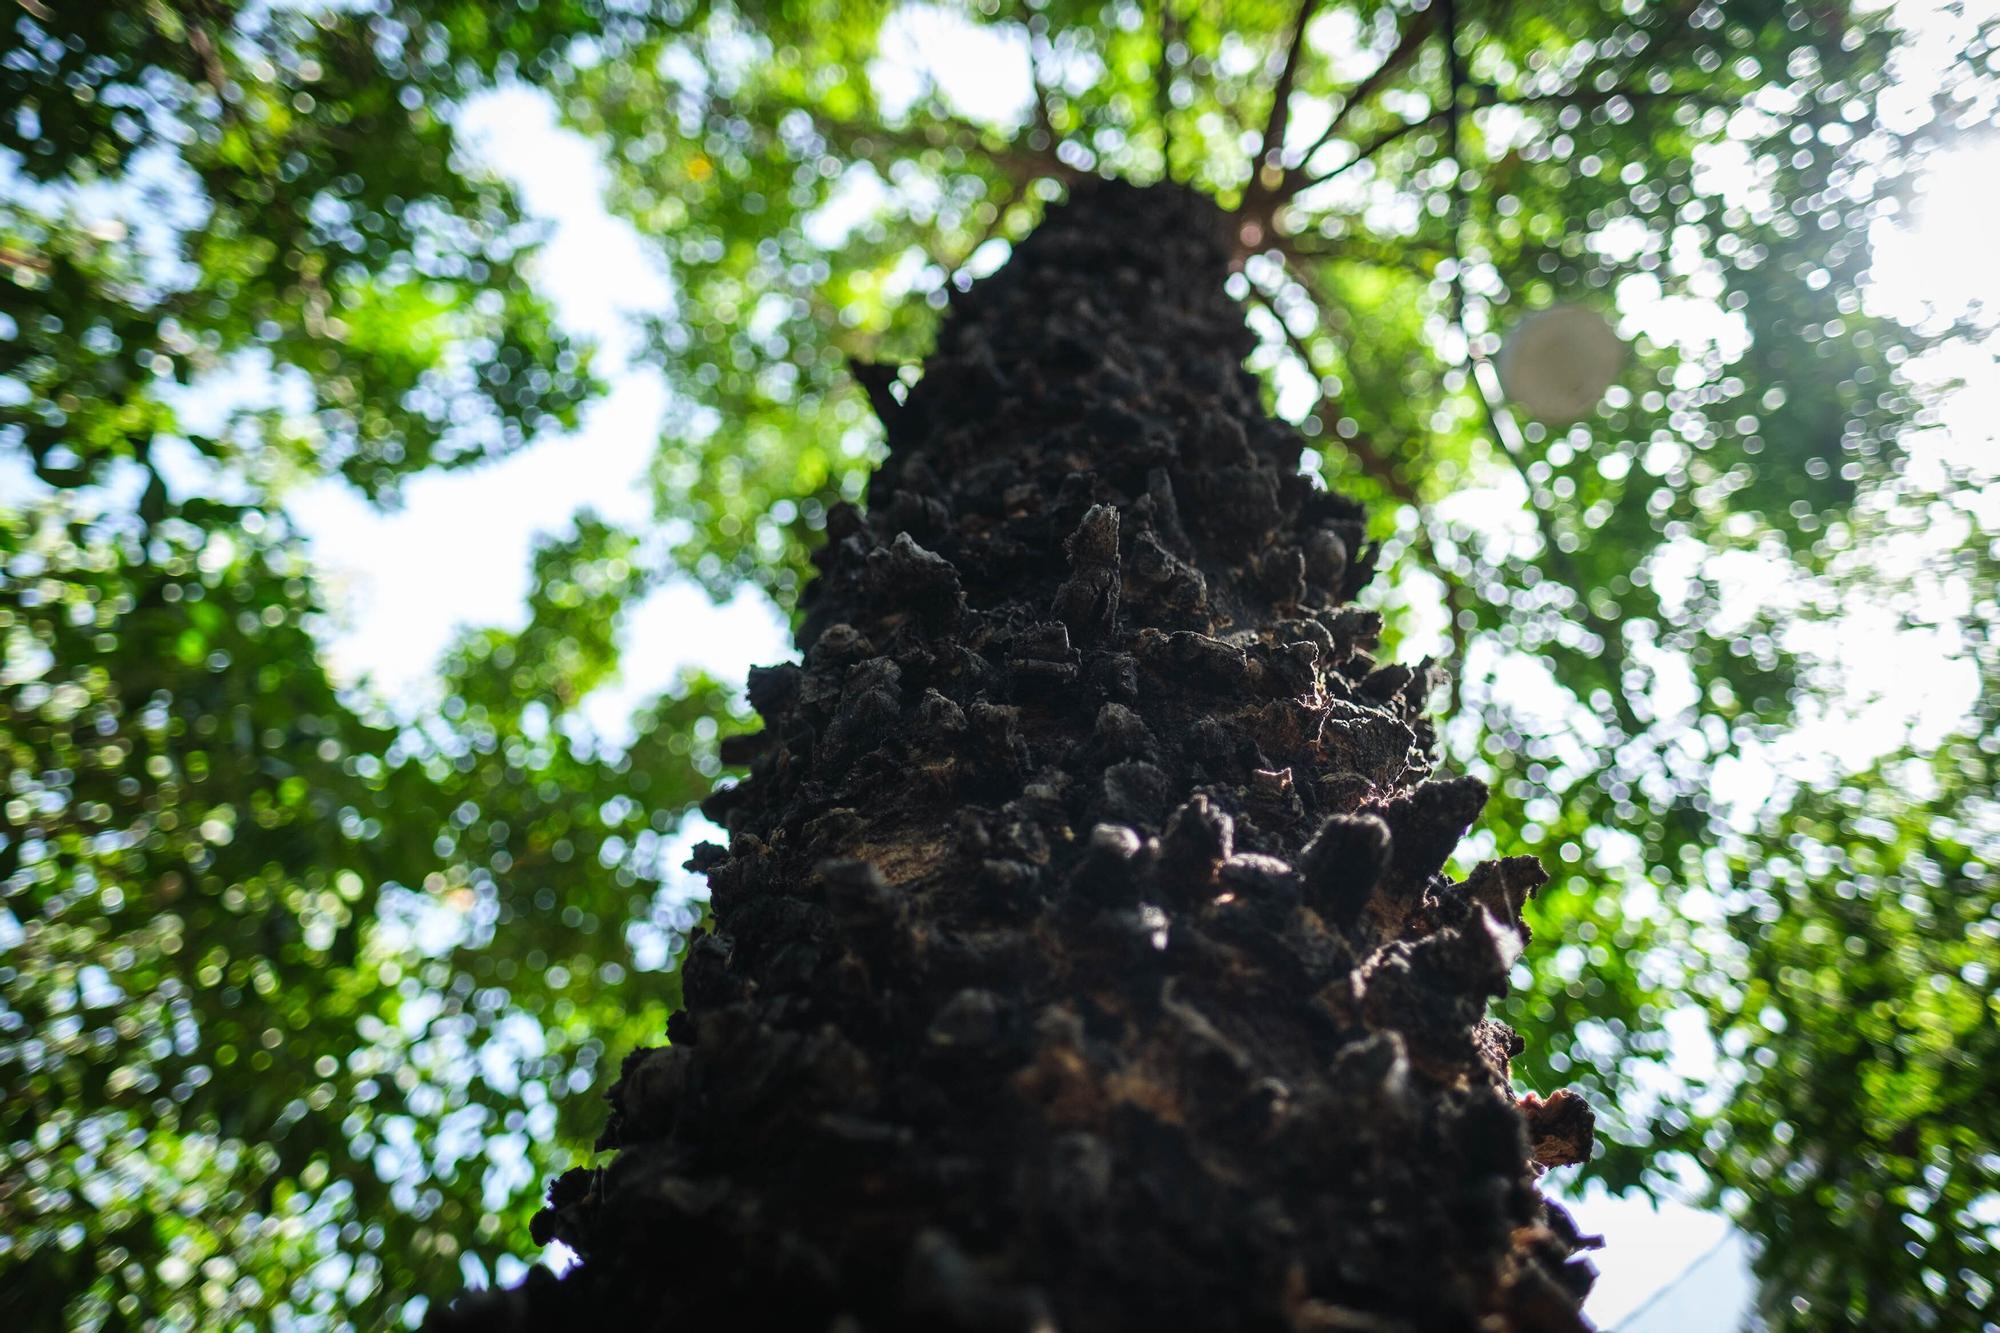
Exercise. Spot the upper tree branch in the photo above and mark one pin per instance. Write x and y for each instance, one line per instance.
(1296, 182)
(1453, 109)
(1273, 141)
(1407, 45)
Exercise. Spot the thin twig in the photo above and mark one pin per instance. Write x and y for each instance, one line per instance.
(1485, 381)
(1661, 1293)
(1359, 250)
(1485, 384)
(1163, 89)
(1454, 98)
(1297, 183)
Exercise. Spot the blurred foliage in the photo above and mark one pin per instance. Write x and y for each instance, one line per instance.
(291, 999)
(300, 1003)
(1856, 949)
(293, 198)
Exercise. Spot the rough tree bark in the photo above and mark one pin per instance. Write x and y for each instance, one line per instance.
(1082, 957)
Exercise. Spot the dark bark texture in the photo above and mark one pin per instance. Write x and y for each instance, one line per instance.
(1082, 957)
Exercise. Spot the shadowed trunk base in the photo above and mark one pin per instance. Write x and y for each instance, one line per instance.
(1082, 954)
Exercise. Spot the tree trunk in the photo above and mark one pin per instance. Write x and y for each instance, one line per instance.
(1082, 957)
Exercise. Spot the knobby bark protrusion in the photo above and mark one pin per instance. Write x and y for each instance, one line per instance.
(1082, 956)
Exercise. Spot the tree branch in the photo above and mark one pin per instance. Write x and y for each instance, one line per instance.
(1481, 371)
(1558, 559)
(204, 45)
(1273, 140)
(1045, 118)
(1015, 157)
(1407, 46)
(1412, 259)
(1297, 183)
(1373, 464)
(1163, 89)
